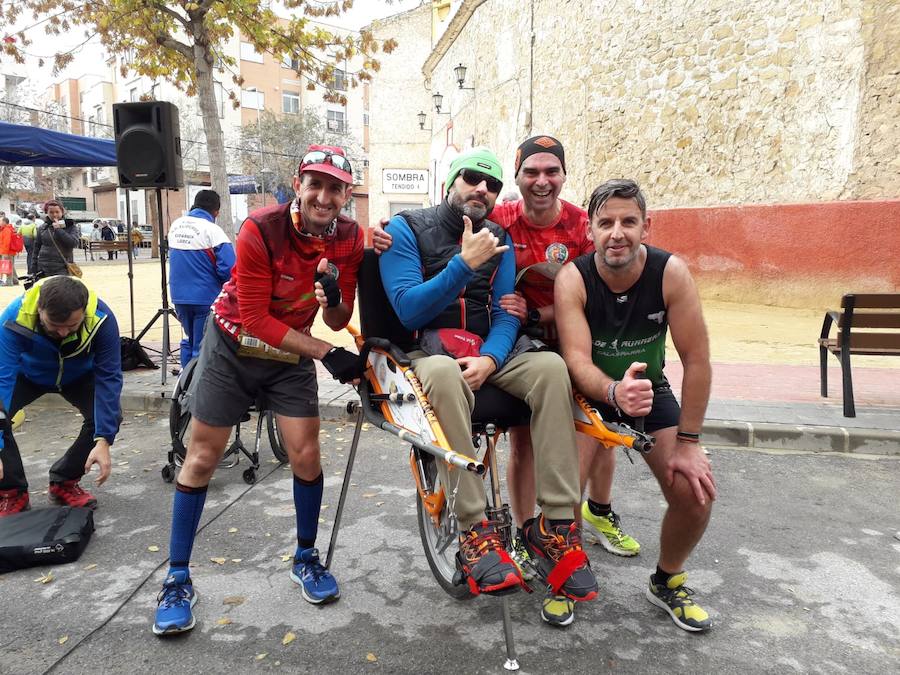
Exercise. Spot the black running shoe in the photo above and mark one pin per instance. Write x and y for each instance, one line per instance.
(557, 552)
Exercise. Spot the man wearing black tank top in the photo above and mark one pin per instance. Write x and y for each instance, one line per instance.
(613, 309)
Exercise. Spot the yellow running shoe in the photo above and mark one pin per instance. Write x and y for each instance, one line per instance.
(557, 610)
(676, 599)
(605, 530)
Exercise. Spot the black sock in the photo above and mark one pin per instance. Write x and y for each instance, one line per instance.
(305, 543)
(599, 509)
(661, 578)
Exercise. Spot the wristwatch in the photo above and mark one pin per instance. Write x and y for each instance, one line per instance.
(533, 318)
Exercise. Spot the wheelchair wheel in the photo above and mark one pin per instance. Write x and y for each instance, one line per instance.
(179, 415)
(275, 440)
(440, 542)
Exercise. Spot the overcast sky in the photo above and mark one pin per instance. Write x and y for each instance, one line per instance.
(90, 58)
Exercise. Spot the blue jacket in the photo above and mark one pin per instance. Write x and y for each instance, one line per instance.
(93, 349)
(201, 258)
(417, 301)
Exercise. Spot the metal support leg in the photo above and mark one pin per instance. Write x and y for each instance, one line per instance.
(344, 487)
(512, 662)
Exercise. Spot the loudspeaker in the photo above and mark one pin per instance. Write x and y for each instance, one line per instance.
(148, 144)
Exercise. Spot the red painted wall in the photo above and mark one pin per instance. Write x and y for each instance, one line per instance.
(802, 248)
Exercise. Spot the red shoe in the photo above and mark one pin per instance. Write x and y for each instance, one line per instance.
(70, 493)
(14, 501)
(560, 558)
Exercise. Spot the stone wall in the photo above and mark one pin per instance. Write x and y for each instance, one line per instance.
(397, 95)
(709, 102)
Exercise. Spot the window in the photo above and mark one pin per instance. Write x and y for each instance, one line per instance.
(251, 98)
(290, 102)
(335, 121)
(249, 53)
(84, 179)
(365, 119)
(340, 80)
(133, 94)
(290, 62)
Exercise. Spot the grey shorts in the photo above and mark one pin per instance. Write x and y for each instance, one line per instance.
(225, 385)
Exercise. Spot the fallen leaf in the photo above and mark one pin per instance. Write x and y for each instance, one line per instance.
(286, 557)
(321, 520)
(234, 600)
(288, 638)
(368, 495)
(45, 578)
(371, 658)
(236, 560)
(232, 530)
(218, 561)
(268, 534)
(224, 621)
(379, 503)
(91, 566)
(153, 549)
(63, 640)
(260, 657)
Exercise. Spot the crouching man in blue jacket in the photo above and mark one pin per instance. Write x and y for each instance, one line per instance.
(59, 337)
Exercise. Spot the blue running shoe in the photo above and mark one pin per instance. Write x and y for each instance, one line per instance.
(177, 597)
(316, 583)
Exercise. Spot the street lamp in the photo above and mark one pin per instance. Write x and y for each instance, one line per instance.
(421, 117)
(438, 100)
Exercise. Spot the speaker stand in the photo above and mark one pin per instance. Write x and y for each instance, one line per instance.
(165, 311)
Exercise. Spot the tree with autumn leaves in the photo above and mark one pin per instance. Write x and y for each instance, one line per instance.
(181, 40)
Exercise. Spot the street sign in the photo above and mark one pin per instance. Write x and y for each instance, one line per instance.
(408, 181)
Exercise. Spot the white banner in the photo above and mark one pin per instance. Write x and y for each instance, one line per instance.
(408, 181)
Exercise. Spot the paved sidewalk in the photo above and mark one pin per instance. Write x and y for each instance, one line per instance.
(764, 406)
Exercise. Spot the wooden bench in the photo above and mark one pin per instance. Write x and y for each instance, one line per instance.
(879, 315)
(101, 246)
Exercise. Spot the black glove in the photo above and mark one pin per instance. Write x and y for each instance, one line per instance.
(331, 288)
(343, 365)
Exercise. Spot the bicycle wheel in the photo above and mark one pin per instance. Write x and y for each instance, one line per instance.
(275, 440)
(179, 415)
(440, 542)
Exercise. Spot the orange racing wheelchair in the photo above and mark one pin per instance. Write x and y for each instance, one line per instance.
(392, 399)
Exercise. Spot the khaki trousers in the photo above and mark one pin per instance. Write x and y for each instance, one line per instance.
(542, 381)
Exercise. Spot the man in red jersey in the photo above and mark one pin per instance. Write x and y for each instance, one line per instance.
(292, 260)
(547, 232)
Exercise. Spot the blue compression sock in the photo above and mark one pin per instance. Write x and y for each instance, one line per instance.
(307, 503)
(186, 512)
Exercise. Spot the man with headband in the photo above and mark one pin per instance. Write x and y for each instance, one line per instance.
(292, 260)
(444, 274)
(547, 232)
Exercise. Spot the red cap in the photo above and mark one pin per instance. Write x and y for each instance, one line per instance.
(331, 160)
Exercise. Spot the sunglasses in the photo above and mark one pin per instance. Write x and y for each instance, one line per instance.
(325, 157)
(474, 178)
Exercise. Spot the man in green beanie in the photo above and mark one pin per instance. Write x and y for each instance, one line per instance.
(444, 276)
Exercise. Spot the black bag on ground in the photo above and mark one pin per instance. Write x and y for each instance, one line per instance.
(44, 537)
(133, 355)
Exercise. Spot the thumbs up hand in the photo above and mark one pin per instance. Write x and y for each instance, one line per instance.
(328, 293)
(478, 247)
(634, 394)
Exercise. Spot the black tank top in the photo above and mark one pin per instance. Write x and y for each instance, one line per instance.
(629, 326)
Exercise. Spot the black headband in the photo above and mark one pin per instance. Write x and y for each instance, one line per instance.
(537, 144)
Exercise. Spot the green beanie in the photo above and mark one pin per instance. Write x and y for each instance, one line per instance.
(478, 159)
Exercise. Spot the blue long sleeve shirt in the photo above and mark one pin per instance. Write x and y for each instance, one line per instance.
(417, 301)
(200, 258)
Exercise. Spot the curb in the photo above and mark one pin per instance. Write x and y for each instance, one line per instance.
(722, 433)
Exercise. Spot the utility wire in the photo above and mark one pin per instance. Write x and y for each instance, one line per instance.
(183, 140)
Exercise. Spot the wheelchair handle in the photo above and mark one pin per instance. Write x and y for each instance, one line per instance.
(381, 343)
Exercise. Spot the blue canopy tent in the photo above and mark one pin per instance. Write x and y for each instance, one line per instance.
(30, 146)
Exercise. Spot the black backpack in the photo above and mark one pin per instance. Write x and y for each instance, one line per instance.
(44, 537)
(133, 355)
